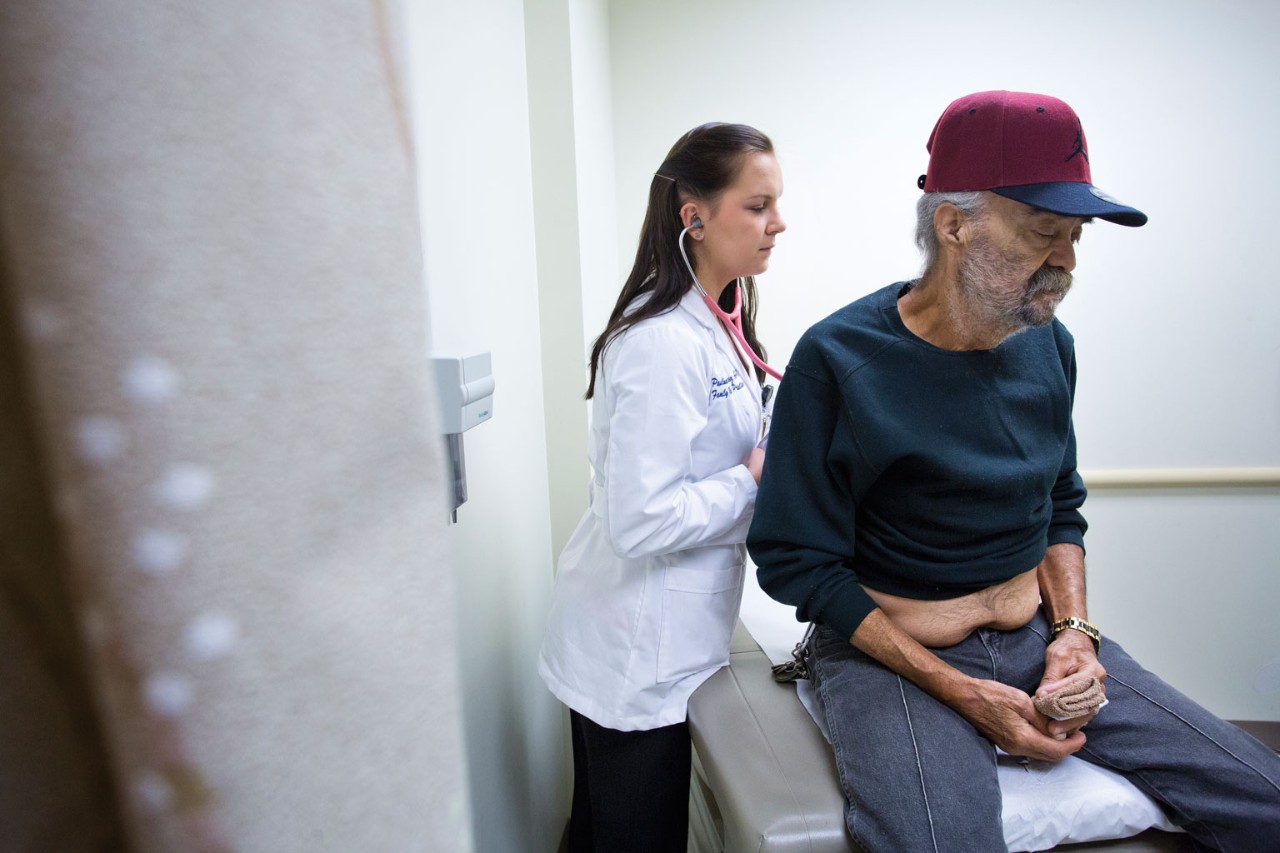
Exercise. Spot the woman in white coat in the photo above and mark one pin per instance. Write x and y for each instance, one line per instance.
(648, 587)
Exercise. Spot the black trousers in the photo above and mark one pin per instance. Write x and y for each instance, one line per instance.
(630, 789)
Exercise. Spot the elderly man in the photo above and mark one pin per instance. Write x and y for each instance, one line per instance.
(920, 504)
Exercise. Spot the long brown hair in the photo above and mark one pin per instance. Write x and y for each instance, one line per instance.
(701, 165)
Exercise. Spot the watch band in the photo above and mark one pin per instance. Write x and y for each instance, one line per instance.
(1077, 624)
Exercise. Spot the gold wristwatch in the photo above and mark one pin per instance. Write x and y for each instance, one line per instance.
(1076, 623)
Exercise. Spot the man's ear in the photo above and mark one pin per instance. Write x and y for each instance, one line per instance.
(951, 226)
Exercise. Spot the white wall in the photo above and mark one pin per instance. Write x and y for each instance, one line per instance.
(554, 150)
(597, 189)
(1175, 322)
(471, 119)
(572, 145)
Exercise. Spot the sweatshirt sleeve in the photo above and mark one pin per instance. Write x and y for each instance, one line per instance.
(1067, 523)
(802, 536)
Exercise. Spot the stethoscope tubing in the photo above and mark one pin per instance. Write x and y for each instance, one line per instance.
(732, 320)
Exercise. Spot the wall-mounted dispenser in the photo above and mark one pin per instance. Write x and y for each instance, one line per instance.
(465, 385)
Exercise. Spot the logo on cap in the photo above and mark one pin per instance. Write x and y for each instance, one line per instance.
(1079, 145)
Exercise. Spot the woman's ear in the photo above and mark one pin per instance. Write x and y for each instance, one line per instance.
(691, 219)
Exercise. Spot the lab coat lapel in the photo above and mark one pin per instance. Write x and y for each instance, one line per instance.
(724, 340)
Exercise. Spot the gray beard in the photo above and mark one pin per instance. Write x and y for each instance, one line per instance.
(1011, 315)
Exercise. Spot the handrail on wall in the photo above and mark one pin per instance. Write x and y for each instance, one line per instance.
(1181, 478)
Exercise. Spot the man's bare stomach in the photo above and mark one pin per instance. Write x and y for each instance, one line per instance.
(944, 623)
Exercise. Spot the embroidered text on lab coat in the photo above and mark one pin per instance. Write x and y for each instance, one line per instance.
(722, 387)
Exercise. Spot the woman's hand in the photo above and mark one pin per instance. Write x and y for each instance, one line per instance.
(755, 463)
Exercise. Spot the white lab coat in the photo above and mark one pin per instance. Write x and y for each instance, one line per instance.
(648, 587)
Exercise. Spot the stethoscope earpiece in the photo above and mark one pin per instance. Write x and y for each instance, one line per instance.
(697, 223)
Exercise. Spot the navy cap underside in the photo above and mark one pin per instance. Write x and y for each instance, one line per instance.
(1074, 199)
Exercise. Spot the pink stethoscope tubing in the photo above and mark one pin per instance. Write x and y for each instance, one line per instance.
(733, 320)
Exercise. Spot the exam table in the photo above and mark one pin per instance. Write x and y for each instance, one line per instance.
(765, 779)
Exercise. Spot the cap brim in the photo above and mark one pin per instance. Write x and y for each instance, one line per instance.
(1074, 199)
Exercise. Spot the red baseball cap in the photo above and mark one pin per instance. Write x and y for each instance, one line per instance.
(1030, 148)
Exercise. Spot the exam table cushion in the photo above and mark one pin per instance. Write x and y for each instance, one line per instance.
(764, 762)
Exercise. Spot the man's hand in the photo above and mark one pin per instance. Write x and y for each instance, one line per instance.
(1003, 714)
(1071, 653)
(1006, 717)
(1062, 588)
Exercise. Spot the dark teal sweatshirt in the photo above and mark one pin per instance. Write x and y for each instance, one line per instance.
(914, 470)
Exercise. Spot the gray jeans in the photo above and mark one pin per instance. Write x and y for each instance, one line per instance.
(918, 777)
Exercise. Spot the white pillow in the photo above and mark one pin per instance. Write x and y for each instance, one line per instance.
(1045, 803)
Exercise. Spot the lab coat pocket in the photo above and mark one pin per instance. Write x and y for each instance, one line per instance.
(699, 608)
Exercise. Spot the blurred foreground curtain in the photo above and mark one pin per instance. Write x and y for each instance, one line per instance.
(226, 603)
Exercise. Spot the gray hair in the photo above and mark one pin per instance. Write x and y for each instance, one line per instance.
(971, 204)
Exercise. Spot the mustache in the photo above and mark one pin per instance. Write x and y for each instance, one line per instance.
(1049, 279)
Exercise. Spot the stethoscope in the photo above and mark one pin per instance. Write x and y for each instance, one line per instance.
(732, 320)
